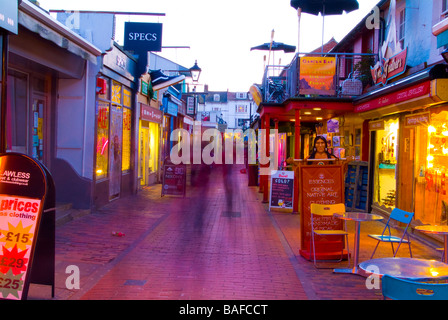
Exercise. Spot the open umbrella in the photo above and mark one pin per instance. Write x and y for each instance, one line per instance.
(276, 46)
(326, 7)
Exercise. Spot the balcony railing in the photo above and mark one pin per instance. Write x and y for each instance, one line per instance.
(349, 78)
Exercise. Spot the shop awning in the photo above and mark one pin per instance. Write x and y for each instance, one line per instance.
(422, 89)
(160, 81)
(37, 20)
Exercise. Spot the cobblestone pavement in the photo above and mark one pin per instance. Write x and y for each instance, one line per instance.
(206, 246)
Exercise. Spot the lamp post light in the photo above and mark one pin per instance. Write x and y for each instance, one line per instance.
(195, 72)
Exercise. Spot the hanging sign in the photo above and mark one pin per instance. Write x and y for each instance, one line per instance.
(317, 75)
(282, 190)
(22, 195)
(9, 12)
(143, 37)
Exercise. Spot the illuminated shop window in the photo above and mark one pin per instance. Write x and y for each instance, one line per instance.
(126, 161)
(431, 163)
(102, 148)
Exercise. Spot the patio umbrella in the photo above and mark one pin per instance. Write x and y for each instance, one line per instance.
(276, 46)
(326, 7)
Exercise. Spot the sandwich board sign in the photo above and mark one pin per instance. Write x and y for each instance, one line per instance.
(23, 188)
(282, 189)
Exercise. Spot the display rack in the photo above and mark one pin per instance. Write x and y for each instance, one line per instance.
(357, 186)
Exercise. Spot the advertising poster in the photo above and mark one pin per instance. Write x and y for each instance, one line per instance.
(282, 190)
(317, 76)
(18, 220)
(322, 185)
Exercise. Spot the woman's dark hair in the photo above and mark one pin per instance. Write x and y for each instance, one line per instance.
(313, 154)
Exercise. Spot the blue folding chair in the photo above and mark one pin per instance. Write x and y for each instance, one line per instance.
(400, 216)
(401, 289)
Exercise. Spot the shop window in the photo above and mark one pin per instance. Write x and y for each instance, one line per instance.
(102, 150)
(17, 112)
(116, 92)
(431, 163)
(126, 161)
(402, 27)
(384, 180)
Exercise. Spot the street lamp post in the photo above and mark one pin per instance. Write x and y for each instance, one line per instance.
(195, 72)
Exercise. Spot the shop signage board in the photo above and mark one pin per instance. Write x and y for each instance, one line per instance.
(23, 189)
(282, 189)
(317, 75)
(419, 119)
(174, 179)
(388, 69)
(151, 114)
(143, 37)
(9, 13)
(322, 184)
(413, 92)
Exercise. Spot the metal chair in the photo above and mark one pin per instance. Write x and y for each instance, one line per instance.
(402, 289)
(400, 216)
(326, 212)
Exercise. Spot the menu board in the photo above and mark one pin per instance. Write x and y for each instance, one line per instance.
(174, 179)
(23, 189)
(322, 184)
(282, 189)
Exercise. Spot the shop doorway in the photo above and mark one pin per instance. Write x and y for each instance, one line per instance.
(38, 141)
(144, 155)
(116, 137)
(383, 164)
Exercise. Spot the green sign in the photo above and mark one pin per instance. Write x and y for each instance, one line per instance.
(9, 13)
(145, 87)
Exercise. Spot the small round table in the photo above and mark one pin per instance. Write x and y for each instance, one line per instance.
(405, 268)
(358, 217)
(443, 230)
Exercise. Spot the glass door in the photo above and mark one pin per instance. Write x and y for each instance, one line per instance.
(115, 152)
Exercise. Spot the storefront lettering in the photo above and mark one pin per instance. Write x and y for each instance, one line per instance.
(401, 96)
(141, 36)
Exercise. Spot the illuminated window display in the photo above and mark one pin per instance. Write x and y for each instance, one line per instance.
(127, 124)
(384, 178)
(102, 149)
(431, 163)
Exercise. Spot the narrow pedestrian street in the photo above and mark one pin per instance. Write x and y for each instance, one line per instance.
(196, 248)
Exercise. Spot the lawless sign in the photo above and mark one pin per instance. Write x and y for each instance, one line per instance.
(23, 188)
(143, 37)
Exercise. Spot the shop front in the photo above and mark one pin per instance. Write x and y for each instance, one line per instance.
(47, 101)
(408, 150)
(114, 169)
(149, 144)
